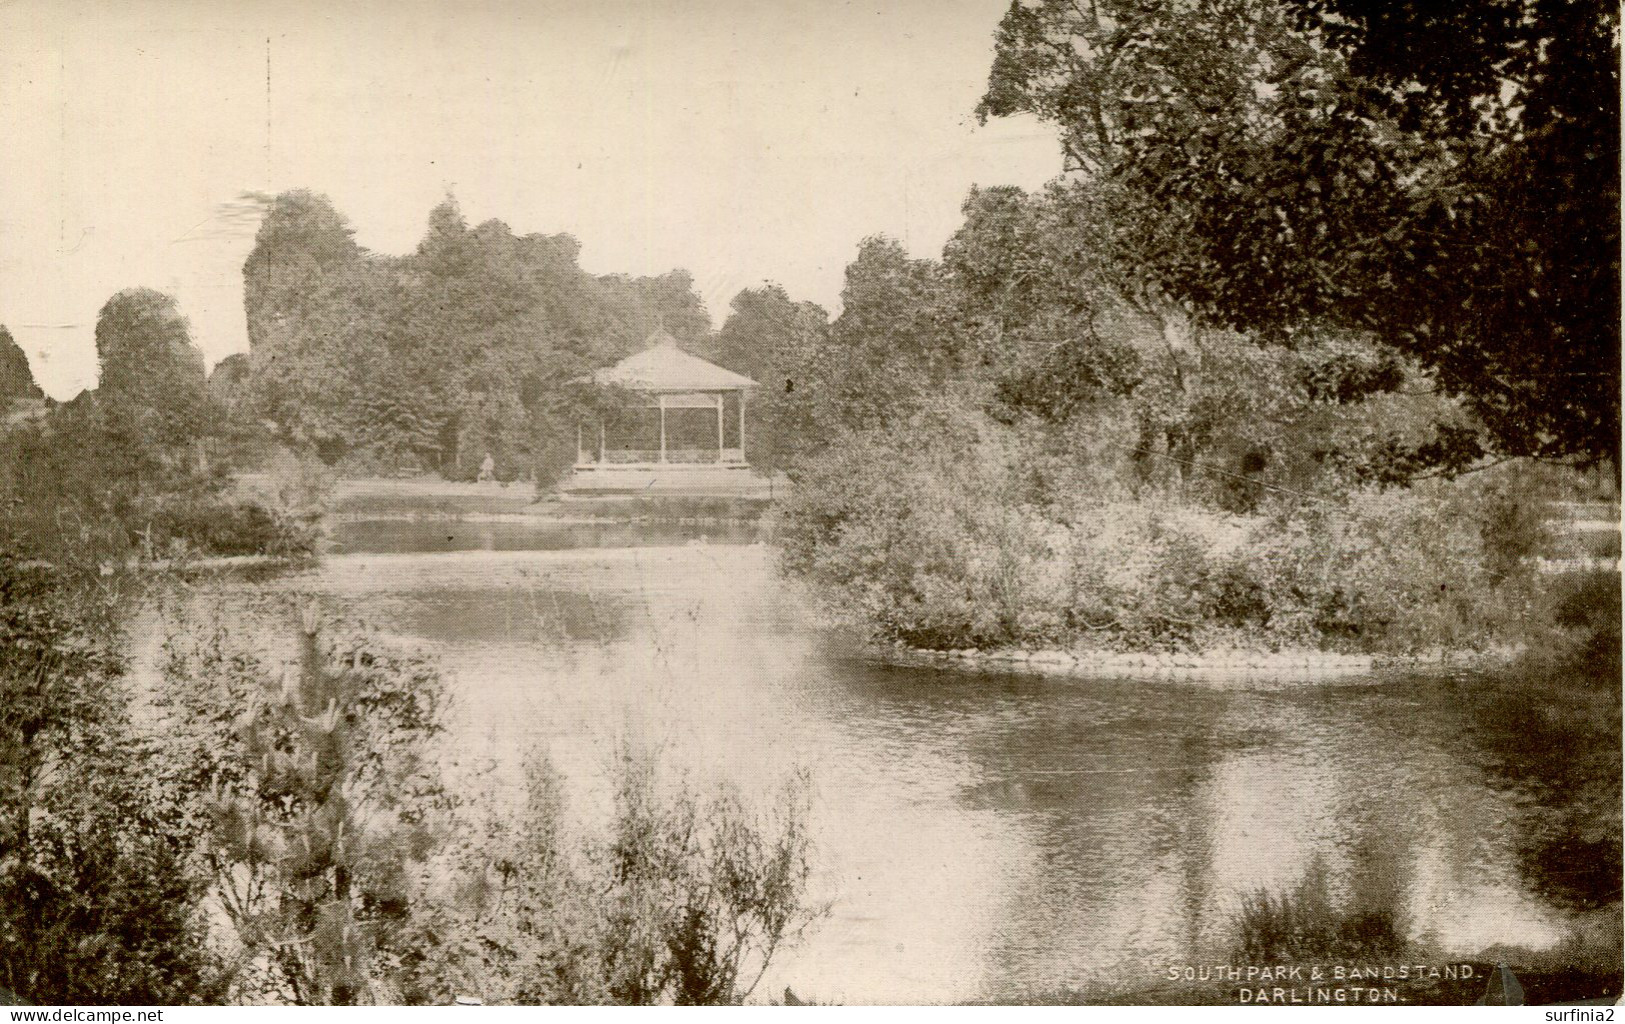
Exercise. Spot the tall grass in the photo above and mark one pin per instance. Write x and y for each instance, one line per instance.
(1305, 924)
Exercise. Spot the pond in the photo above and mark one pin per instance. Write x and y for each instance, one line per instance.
(986, 835)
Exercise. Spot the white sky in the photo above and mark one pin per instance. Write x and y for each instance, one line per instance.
(744, 140)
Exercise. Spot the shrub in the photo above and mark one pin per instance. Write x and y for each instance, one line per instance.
(681, 900)
(1385, 572)
(1304, 925)
(100, 887)
(935, 533)
(699, 895)
(1512, 517)
(219, 527)
(1395, 571)
(1578, 629)
(913, 525)
(299, 484)
(318, 794)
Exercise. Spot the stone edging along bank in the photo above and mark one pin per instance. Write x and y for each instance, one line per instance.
(1227, 664)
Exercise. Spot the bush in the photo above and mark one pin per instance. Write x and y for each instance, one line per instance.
(1392, 572)
(1512, 515)
(680, 901)
(699, 895)
(1577, 629)
(1395, 571)
(912, 525)
(1304, 925)
(100, 884)
(221, 527)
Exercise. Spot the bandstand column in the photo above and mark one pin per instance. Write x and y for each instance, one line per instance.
(662, 429)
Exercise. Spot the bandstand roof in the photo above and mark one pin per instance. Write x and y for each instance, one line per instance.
(662, 366)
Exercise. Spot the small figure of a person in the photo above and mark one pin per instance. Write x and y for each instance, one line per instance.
(488, 469)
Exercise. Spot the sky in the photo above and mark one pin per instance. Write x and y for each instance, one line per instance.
(742, 140)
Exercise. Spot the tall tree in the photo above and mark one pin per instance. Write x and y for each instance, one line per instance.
(229, 380)
(152, 415)
(1054, 333)
(301, 244)
(774, 340)
(896, 341)
(676, 306)
(1445, 178)
(464, 335)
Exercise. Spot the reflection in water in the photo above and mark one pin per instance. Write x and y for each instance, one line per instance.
(983, 835)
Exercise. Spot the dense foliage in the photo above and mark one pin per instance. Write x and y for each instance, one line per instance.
(281, 833)
(1244, 374)
(1442, 177)
(1023, 444)
(103, 891)
(680, 900)
(100, 899)
(945, 531)
(769, 338)
(147, 357)
(474, 344)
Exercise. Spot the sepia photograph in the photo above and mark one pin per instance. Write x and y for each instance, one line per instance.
(836, 503)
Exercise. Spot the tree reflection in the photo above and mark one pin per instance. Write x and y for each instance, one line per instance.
(1553, 744)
